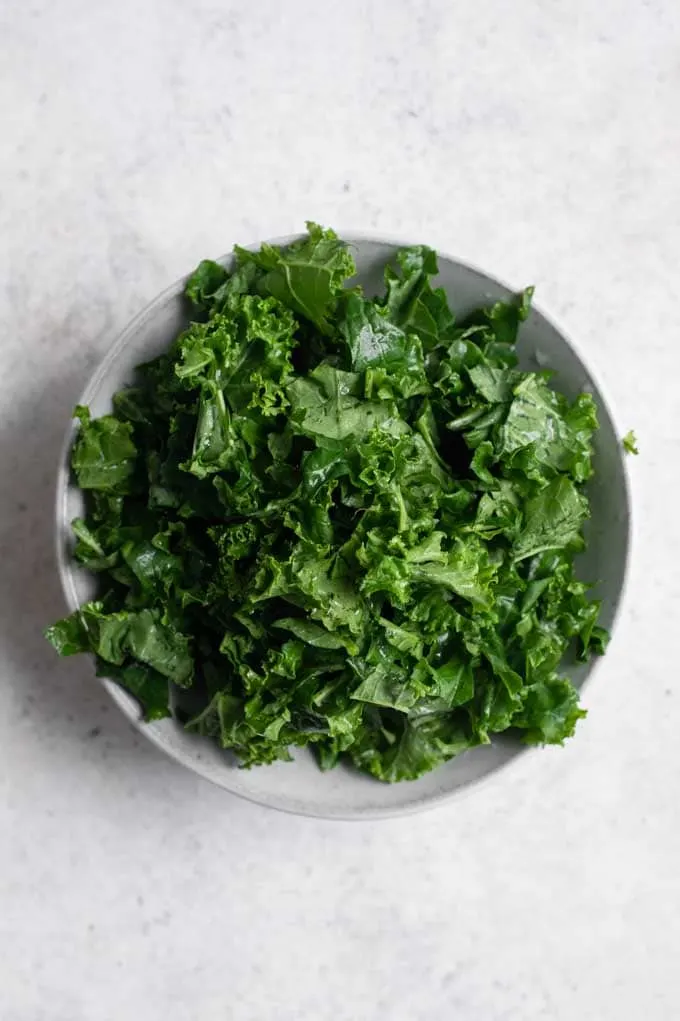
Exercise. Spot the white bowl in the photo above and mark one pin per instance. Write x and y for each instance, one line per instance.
(344, 793)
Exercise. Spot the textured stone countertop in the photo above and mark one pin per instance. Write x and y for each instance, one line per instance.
(538, 140)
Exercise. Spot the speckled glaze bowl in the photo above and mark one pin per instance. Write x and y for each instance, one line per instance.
(344, 793)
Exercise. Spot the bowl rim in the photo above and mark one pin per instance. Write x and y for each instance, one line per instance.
(118, 341)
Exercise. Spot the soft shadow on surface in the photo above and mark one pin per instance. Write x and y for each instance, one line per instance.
(56, 700)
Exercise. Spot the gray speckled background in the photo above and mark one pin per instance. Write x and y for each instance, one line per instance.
(539, 140)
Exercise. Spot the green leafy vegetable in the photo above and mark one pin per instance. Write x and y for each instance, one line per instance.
(630, 443)
(104, 453)
(308, 276)
(322, 520)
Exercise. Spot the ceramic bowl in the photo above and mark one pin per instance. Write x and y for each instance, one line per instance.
(343, 793)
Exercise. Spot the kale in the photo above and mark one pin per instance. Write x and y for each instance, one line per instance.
(322, 520)
(629, 443)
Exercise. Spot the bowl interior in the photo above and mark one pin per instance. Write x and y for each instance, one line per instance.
(300, 786)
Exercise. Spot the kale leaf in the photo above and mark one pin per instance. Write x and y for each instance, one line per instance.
(322, 520)
(629, 443)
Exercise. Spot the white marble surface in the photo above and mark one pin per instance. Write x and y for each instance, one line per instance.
(538, 139)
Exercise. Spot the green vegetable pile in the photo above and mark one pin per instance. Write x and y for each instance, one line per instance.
(321, 519)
